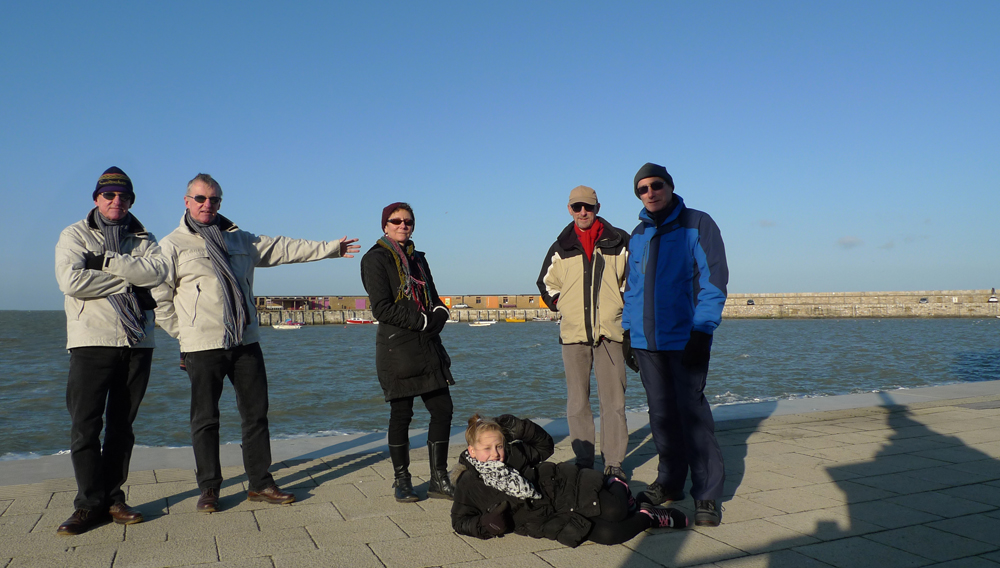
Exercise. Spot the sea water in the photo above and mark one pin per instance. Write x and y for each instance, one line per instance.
(322, 381)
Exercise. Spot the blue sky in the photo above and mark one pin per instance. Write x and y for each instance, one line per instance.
(840, 146)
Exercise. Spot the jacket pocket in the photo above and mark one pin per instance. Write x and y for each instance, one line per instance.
(404, 356)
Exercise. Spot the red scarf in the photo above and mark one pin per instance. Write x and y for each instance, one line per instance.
(589, 237)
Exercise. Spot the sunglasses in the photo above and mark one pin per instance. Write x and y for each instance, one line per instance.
(407, 222)
(578, 206)
(201, 199)
(655, 186)
(110, 195)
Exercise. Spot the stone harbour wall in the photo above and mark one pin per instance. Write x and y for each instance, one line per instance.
(916, 304)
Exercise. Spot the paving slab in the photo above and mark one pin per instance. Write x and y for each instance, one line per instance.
(520, 561)
(419, 552)
(143, 554)
(759, 535)
(357, 556)
(931, 543)
(776, 559)
(598, 555)
(859, 552)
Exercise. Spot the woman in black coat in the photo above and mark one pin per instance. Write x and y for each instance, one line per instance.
(503, 483)
(409, 357)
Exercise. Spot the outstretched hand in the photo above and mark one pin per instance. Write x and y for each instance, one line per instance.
(346, 248)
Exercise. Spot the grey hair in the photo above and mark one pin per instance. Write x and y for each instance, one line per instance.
(208, 180)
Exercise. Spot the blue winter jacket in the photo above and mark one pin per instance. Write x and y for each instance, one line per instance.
(676, 281)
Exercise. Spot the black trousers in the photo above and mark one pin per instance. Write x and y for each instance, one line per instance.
(244, 365)
(104, 382)
(682, 425)
(616, 524)
(439, 406)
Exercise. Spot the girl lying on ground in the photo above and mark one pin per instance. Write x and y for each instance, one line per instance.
(503, 484)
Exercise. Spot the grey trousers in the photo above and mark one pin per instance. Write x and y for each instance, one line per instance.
(608, 363)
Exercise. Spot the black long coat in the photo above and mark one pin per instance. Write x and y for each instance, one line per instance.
(409, 361)
(569, 493)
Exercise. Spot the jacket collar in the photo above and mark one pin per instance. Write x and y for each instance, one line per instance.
(134, 226)
(224, 224)
(647, 218)
(609, 238)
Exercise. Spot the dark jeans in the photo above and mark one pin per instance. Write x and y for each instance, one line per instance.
(681, 423)
(438, 404)
(109, 380)
(244, 365)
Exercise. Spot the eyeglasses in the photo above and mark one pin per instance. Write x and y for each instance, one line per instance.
(578, 206)
(655, 186)
(406, 222)
(201, 199)
(110, 195)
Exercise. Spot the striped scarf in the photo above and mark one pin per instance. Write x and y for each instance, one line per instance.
(234, 308)
(126, 305)
(409, 286)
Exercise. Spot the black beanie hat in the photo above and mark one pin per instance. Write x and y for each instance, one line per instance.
(114, 179)
(651, 170)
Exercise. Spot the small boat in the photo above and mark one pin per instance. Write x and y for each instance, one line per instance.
(361, 321)
(540, 319)
(514, 320)
(288, 324)
(482, 323)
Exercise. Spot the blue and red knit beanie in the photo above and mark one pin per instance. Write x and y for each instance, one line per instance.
(114, 179)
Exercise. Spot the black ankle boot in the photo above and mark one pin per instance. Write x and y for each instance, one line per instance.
(400, 456)
(440, 486)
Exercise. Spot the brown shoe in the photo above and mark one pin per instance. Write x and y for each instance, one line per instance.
(271, 495)
(209, 501)
(125, 515)
(81, 521)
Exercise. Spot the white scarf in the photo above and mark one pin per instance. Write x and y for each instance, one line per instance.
(502, 477)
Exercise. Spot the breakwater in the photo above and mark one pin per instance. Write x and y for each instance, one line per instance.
(336, 317)
(914, 304)
(802, 305)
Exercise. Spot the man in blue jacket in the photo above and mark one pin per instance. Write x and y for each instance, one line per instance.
(674, 295)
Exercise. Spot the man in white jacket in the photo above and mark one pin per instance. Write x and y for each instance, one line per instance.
(206, 302)
(105, 265)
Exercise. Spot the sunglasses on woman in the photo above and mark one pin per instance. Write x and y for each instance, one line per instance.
(406, 222)
(655, 186)
(578, 206)
(201, 199)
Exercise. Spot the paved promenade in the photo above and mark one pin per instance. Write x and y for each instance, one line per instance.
(902, 479)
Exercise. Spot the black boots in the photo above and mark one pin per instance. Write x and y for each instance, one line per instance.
(440, 486)
(400, 456)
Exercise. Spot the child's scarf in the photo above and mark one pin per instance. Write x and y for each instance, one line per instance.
(502, 477)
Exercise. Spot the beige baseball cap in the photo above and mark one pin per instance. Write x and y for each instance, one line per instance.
(583, 194)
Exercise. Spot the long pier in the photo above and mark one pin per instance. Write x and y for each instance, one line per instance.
(807, 305)
(338, 317)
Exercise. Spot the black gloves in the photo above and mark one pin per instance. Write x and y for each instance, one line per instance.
(510, 425)
(698, 350)
(497, 521)
(629, 354)
(436, 320)
(93, 261)
(145, 299)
